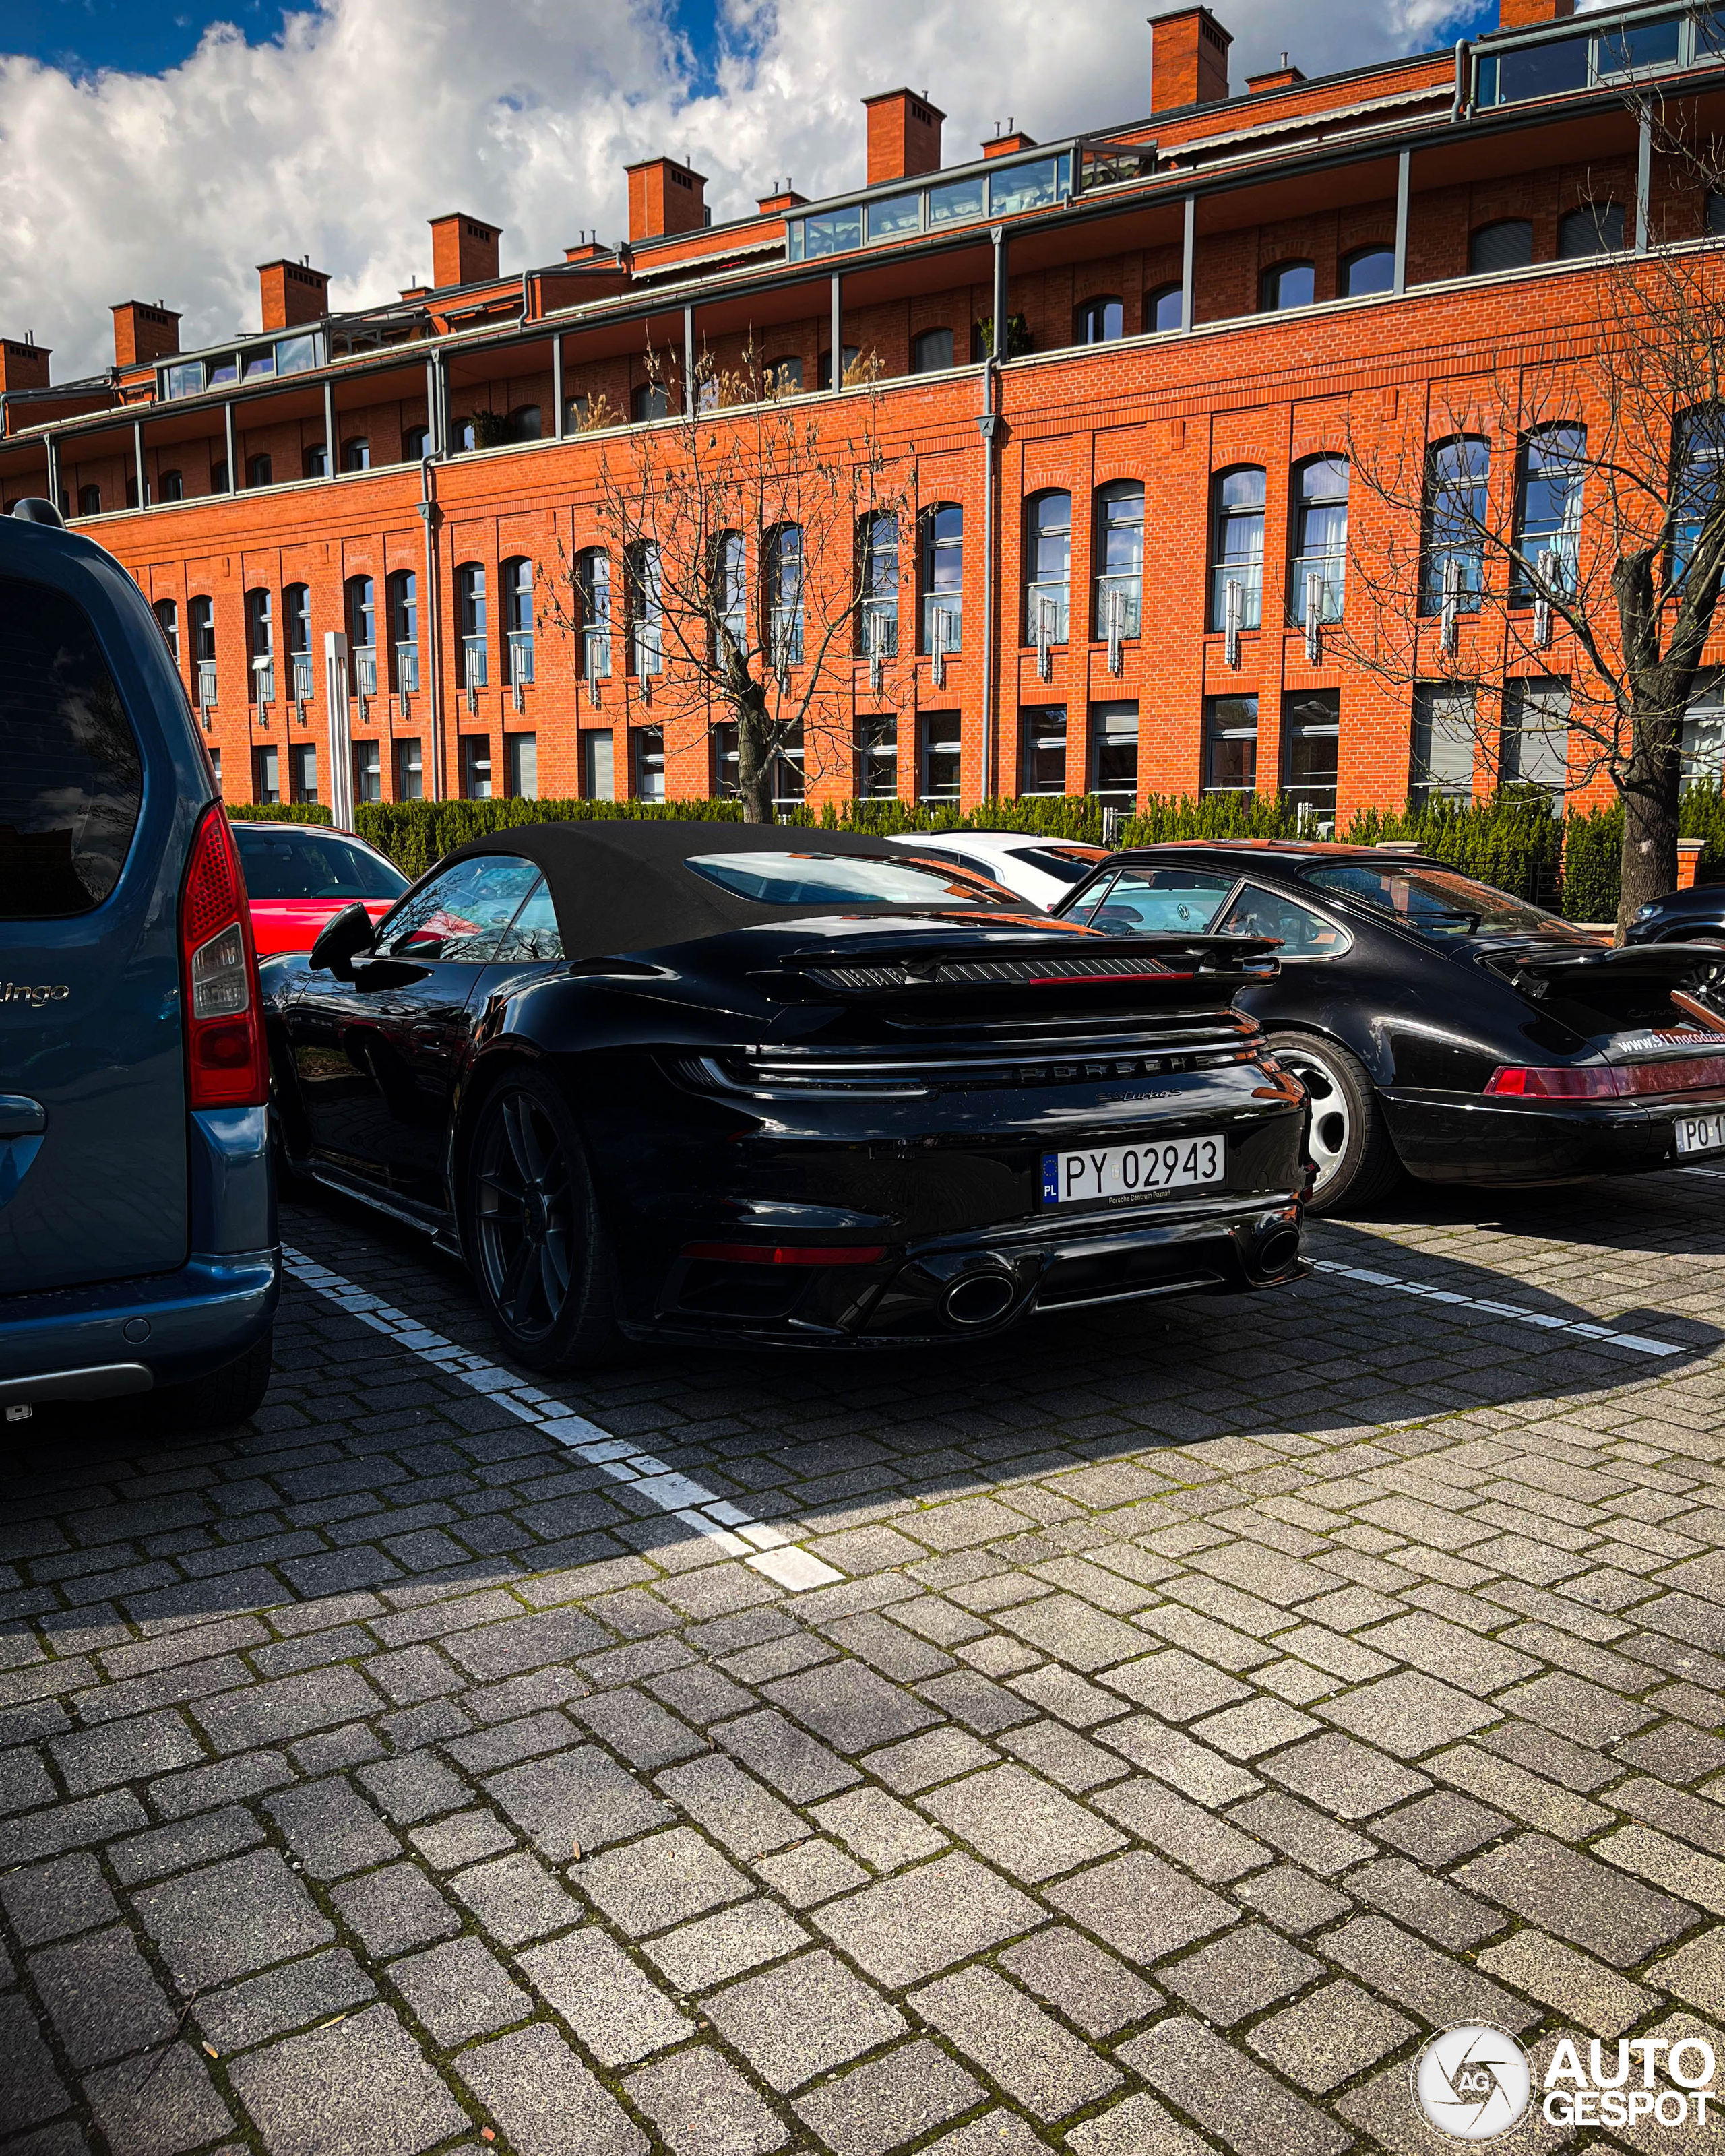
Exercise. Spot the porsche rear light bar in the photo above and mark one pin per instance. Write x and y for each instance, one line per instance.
(1607, 1081)
(226, 1063)
(992, 973)
(788, 1254)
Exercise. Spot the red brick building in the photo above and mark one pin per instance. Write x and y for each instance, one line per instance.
(1206, 308)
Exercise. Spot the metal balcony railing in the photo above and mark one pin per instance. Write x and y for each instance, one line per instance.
(263, 680)
(407, 669)
(365, 670)
(474, 673)
(520, 656)
(206, 682)
(1249, 576)
(304, 677)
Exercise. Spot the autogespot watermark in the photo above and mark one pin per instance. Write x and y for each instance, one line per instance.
(1475, 2083)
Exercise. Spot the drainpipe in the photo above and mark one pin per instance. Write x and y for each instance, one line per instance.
(989, 426)
(54, 470)
(433, 598)
(1464, 53)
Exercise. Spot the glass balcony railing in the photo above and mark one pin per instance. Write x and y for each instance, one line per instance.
(263, 680)
(880, 628)
(596, 653)
(1331, 570)
(305, 680)
(1119, 604)
(365, 670)
(520, 656)
(1045, 612)
(1249, 577)
(786, 629)
(205, 681)
(474, 671)
(406, 668)
(943, 622)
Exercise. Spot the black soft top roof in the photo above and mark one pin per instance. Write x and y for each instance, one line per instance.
(621, 886)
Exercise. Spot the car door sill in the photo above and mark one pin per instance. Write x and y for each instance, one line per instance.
(367, 1193)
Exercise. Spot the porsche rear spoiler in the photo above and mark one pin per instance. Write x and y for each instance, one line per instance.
(890, 967)
(1639, 968)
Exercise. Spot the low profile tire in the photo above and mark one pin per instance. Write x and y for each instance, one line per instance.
(226, 1396)
(533, 1229)
(1348, 1138)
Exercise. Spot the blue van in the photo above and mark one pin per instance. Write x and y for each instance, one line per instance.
(138, 1243)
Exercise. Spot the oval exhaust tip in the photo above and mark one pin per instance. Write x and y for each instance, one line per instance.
(1279, 1249)
(979, 1299)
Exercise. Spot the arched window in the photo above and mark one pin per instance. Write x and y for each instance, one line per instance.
(877, 579)
(784, 376)
(415, 445)
(1286, 284)
(260, 646)
(170, 486)
(1508, 244)
(167, 620)
(218, 476)
(1594, 229)
(517, 579)
(471, 623)
(647, 400)
(1699, 464)
(362, 611)
(1320, 538)
(932, 352)
(1368, 270)
(942, 570)
(1237, 547)
(260, 472)
(1164, 308)
(316, 461)
(646, 608)
(356, 454)
(525, 423)
(1099, 320)
(1048, 566)
(785, 595)
(1457, 473)
(731, 596)
(296, 635)
(592, 596)
(1120, 557)
(89, 501)
(402, 592)
(1549, 510)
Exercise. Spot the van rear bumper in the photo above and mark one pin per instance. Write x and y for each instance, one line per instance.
(130, 1335)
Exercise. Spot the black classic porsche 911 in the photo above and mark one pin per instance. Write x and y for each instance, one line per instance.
(1440, 1026)
(738, 1083)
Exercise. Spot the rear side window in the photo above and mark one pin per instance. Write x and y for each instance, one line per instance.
(71, 776)
(284, 860)
(1156, 902)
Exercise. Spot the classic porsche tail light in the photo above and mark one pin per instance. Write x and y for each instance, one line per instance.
(1607, 1081)
(788, 1253)
(225, 1061)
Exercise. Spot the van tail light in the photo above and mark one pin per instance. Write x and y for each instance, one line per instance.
(226, 1064)
(1608, 1081)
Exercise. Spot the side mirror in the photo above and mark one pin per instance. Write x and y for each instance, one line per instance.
(342, 942)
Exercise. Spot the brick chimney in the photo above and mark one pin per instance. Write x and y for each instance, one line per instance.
(665, 198)
(292, 292)
(142, 333)
(904, 135)
(588, 250)
(1523, 14)
(780, 197)
(1188, 60)
(1276, 77)
(463, 251)
(1005, 146)
(22, 365)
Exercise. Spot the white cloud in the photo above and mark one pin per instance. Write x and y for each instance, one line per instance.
(339, 138)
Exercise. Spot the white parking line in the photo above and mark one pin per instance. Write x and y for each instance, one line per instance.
(1637, 1340)
(738, 1533)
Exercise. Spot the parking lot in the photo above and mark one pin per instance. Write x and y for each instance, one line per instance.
(1137, 1735)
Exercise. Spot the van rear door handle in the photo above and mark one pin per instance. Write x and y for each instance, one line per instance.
(21, 1117)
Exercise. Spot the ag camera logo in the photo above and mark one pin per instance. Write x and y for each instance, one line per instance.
(1473, 2082)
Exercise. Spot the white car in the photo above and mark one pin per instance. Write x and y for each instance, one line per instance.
(1039, 869)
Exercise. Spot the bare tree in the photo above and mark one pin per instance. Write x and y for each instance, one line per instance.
(751, 560)
(1561, 519)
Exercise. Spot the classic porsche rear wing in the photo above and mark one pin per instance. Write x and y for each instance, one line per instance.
(1222, 964)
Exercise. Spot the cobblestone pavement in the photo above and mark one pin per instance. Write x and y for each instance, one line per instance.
(1192, 1708)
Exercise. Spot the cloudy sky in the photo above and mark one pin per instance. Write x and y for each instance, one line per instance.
(159, 151)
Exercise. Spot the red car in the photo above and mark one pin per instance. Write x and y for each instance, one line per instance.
(298, 876)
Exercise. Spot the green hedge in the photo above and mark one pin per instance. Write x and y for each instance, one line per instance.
(276, 812)
(416, 833)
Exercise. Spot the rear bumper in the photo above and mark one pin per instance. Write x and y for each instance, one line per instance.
(979, 1283)
(1444, 1139)
(130, 1335)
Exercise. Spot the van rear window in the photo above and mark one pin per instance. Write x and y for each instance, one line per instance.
(71, 777)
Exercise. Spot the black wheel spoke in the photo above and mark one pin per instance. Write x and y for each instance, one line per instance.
(528, 1209)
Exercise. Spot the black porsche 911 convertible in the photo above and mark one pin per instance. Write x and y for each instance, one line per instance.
(736, 1083)
(1442, 1027)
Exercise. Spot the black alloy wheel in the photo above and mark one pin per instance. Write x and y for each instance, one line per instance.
(533, 1230)
(1347, 1138)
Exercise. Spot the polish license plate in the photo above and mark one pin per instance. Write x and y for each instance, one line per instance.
(1120, 1174)
(1701, 1133)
